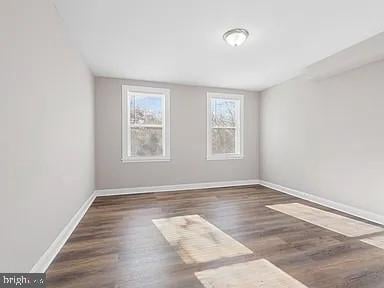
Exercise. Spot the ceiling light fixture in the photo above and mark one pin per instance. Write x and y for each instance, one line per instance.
(236, 37)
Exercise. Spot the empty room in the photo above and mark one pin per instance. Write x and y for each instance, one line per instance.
(192, 144)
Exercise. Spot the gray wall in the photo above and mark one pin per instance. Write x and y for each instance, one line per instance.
(188, 140)
(47, 132)
(326, 137)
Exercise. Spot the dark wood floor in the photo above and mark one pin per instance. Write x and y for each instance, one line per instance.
(117, 245)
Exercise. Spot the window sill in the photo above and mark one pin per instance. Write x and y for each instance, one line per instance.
(225, 157)
(147, 159)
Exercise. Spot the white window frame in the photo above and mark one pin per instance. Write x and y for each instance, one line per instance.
(239, 141)
(127, 92)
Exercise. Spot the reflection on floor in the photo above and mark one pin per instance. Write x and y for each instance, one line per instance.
(377, 241)
(117, 245)
(254, 274)
(198, 241)
(337, 223)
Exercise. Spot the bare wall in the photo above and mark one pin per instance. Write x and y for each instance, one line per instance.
(47, 132)
(188, 140)
(325, 137)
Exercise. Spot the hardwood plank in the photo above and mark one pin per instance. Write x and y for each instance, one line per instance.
(198, 241)
(377, 241)
(117, 245)
(254, 274)
(334, 222)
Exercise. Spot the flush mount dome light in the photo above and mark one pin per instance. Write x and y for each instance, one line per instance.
(236, 37)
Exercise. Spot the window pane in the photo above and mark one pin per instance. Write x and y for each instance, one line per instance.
(146, 110)
(223, 140)
(223, 113)
(146, 142)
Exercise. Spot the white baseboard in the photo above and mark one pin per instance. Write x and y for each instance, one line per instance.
(50, 254)
(46, 259)
(168, 188)
(373, 217)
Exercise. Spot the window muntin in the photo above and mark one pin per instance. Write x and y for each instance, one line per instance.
(145, 124)
(224, 126)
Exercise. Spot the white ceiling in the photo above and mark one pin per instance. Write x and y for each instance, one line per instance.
(180, 41)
